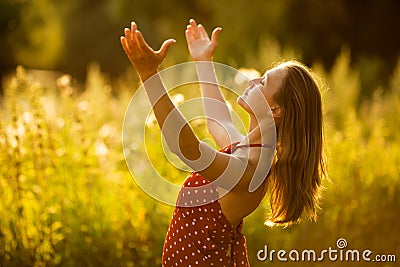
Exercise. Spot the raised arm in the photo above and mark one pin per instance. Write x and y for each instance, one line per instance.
(219, 121)
(180, 138)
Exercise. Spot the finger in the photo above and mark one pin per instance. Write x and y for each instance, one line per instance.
(133, 29)
(214, 36)
(189, 37)
(128, 37)
(191, 32)
(193, 24)
(202, 31)
(141, 42)
(125, 46)
(164, 47)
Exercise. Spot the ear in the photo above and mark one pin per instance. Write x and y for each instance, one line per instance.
(276, 111)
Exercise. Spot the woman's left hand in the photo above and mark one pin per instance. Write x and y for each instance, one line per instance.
(143, 58)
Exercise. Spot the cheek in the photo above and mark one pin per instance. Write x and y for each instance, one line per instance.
(270, 98)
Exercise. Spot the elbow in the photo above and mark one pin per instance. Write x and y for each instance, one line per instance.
(185, 150)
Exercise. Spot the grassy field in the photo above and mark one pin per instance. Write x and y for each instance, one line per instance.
(68, 199)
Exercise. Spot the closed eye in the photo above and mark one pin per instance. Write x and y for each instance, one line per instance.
(263, 80)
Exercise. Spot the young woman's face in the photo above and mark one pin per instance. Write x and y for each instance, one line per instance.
(262, 89)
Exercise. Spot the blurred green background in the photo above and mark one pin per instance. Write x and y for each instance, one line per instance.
(66, 195)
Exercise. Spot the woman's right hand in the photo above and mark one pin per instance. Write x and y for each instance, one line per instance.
(200, 46)
(143, 58)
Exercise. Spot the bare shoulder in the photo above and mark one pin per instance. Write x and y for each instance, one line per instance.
(259, 160)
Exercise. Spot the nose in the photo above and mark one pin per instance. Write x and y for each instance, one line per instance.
(253, 82)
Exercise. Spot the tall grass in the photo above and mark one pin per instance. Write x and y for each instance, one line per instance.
(67, 198)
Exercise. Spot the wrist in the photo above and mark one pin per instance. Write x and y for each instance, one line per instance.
(203, 59)
(144, 76)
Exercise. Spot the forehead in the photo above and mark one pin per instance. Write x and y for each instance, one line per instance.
(275, 75)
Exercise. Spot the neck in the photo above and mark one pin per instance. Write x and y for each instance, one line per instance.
(254, 135)
(261, 132)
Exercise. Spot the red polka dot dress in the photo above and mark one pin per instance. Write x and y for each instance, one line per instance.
(199, 233)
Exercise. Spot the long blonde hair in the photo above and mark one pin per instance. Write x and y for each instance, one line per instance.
(296, 177)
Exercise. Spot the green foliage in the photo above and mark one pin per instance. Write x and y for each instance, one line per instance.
(38, 42)
(69, 34)
(67, 198)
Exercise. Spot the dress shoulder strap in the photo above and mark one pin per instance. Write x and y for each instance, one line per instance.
(237, 145)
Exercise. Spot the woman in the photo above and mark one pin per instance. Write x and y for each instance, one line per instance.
(229, 184)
